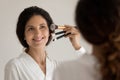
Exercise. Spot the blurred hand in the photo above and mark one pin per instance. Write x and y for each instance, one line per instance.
(74, 36)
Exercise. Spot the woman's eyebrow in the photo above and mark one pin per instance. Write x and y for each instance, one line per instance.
(43, 24)
(29, 26)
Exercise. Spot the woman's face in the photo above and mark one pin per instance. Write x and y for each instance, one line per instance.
(36, 32)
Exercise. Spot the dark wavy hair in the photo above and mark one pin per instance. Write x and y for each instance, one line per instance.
(25, 15)
(99, 23)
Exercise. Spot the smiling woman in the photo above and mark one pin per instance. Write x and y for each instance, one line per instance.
(36, 32)
(33, 32)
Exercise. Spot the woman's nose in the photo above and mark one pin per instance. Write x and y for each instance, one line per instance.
(37, 32)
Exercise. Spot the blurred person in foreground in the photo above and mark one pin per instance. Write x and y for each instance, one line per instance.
(99, 24)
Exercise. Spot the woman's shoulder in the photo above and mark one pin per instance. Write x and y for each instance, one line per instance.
(12, 63)
(84, 63)
(87, 59)
(80, 68)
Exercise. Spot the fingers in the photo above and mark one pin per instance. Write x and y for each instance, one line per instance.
(74, 36)
(71, 30)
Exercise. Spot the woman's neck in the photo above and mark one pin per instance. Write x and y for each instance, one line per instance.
(39, 55)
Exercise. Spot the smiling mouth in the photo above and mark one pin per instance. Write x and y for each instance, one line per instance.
(38, 40)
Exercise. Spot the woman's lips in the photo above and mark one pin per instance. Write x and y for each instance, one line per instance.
(38, 40)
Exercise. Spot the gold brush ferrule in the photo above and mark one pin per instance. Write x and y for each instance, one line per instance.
(61, 26)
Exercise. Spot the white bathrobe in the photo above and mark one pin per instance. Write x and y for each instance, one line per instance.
(25, 68)
(86, 67)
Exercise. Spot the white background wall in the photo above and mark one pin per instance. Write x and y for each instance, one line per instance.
(62, 12)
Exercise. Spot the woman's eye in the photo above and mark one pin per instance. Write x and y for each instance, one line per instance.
(30, 29)
(41, 27)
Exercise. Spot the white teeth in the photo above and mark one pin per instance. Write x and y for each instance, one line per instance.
(38, 39)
